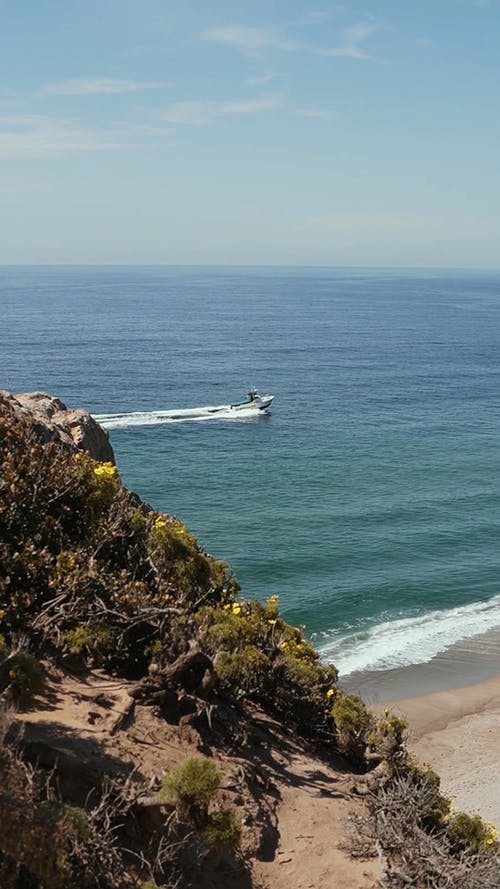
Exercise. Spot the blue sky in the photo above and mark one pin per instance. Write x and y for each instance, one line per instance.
(278, 132)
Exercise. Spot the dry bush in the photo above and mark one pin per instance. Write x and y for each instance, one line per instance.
(419, 857)
(46, 843)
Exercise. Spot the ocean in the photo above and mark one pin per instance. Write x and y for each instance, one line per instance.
(368, 499)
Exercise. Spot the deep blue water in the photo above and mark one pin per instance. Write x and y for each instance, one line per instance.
(368, 499)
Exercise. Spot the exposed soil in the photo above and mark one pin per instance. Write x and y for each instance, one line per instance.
(296, 810)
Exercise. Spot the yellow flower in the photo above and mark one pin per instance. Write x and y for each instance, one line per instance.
(490, 841)
(271, 622)
(330, 693)
(105, 470)
(236, 608)
(227, 607)
(160, 522)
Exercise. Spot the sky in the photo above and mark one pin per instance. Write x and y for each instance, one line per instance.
(357, 133)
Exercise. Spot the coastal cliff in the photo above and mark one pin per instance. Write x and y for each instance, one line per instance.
(160, 730)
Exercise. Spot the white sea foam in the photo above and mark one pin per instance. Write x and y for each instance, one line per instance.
(156, 418)
(412, 640)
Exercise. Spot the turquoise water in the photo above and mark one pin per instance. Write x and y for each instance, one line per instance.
(368, 499)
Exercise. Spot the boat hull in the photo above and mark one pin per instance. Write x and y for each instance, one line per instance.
(260, 403)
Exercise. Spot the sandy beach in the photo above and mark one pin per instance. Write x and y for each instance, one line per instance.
(452, 705)
(458, 733)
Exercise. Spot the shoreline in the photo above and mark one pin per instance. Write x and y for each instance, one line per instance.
(466, 663)
(452, 705)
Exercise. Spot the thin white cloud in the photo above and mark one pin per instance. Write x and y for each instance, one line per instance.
(262, 79)
(98, 86)
(32, 136)
(254, 41)
(201, 112)
(346, 52)
(359, 33)
(250, 40)
(148, 130)
(352, 40)
(314, 18)
(318, 113)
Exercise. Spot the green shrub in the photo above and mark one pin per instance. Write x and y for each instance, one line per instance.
(471, 832)
(91, 639)
(4, 649)
(247, 669)
(43, 837)
(223, 830)
(22, 673)
(191, 786)
(350, 714)
(73, 818)
(353, 723)
(434, 808)
(175, 553)
(260, 655)
(388, 735)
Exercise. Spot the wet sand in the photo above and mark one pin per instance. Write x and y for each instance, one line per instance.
(466, 663)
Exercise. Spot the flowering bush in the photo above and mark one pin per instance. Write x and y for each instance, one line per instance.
(471, 832)
(84, 565)
(259, 655)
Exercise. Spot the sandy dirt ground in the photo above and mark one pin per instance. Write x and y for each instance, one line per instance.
(313, 818)
(296, 811)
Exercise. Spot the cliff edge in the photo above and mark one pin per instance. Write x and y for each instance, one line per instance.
(51, 420)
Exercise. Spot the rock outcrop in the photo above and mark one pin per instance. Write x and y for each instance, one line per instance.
(53, 421)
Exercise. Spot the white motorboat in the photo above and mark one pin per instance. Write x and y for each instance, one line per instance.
(253, 401)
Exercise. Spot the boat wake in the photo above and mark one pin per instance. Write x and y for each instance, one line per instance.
(410, 640)
(156, 418)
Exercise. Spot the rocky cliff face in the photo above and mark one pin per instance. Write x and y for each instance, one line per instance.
(51, 420)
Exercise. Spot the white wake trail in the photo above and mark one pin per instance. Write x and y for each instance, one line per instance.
(182, 415)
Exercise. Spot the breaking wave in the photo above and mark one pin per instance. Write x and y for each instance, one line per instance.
(411, 640)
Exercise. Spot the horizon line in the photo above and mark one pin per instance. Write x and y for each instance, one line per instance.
(242, 265)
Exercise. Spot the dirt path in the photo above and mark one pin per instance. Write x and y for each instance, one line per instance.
(313, 819)
(295, 809)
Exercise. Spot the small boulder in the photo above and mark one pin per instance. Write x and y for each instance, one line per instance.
(53, 421)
